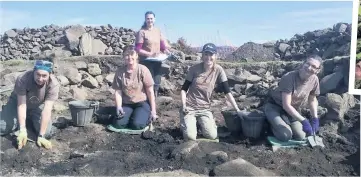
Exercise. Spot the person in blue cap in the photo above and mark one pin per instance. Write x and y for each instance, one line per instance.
(196, 95)
(33, 97)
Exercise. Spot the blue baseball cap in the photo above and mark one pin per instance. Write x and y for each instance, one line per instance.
(209, 47)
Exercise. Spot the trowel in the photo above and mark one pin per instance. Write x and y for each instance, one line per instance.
(16, 133)
(315, 140)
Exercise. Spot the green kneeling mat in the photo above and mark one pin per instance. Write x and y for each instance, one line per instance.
(291, 143)
(127, 130)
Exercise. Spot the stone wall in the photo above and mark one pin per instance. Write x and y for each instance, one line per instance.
(52, 40)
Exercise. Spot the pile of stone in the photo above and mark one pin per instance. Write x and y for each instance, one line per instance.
(52, 40)
(327, 43)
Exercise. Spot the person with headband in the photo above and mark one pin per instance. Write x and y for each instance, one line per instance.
(196, 95)
(134, 94)
(150, 42)
(32, 99)
(296, 89)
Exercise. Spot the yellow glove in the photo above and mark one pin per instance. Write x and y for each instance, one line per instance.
(22, 138)
(44, 142)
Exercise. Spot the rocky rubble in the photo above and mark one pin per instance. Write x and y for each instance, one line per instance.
(327, 43)
(52, 40)
(90, 78)
(85, 77)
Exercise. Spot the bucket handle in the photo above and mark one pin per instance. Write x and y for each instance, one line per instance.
(95, 105)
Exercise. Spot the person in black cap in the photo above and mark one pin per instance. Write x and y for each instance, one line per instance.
(196, 95)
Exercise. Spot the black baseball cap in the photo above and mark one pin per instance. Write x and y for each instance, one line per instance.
(209, 47)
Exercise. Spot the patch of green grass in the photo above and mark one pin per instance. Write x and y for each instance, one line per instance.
(16, 62)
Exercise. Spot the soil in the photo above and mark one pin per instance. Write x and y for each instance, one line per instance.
(92, 150)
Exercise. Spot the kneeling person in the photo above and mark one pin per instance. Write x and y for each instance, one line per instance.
(295, 90)
(134, 94)
(196, 95)
(32, 98)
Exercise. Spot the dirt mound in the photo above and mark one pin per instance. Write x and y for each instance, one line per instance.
(251, 51)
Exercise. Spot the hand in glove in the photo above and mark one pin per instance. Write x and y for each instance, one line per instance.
(306, 127)
(22, 138)
(44, 142)
(315, 124)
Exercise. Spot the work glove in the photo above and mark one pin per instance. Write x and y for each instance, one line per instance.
(22, 138)
(306, 127)
(120, 112)
(44, 142)
(315, 124)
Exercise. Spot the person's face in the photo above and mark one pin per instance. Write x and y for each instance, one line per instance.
(150, 19)
(41, 77)
(130, 57)
(310, 67)
(208, 58)
(358, 71)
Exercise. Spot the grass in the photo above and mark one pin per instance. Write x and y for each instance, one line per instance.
(16, 62)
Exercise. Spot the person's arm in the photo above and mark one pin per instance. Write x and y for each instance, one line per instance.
(151, 97)
(227, 92)
(313, 103)
(51, 96)
(312, 98)
(286, 105)
(148, 84)
(118, 98)
(184, 91)
(21, 109)
(46, 116)
(222, 78)
(117, 86)
(163, 44)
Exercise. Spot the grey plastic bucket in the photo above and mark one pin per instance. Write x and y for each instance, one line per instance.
(233, 122)
(82, 111)
(252, 123)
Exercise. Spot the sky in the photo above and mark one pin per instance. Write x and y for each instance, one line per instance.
(231, 23)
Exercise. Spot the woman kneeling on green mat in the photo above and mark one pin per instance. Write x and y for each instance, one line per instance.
(134, 94)
(297, 89)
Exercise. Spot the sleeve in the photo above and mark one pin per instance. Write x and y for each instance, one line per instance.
(117, 81)
(20, 85)
(225, 87)
(316, 88)
(140, 37)
(138, 46)
(147, 77)
(53, 93)
(286, 83)
(186, 85)
(222, 76)
(190, 74)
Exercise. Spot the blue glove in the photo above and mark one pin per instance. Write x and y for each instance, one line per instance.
(306, 127)
(315, 124)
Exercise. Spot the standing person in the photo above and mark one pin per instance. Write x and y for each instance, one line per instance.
(196, 95)
(134, 94)
(33, 98)
(295, 90)
(150, 42)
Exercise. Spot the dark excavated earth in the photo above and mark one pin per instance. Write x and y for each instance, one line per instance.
(94, 151)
